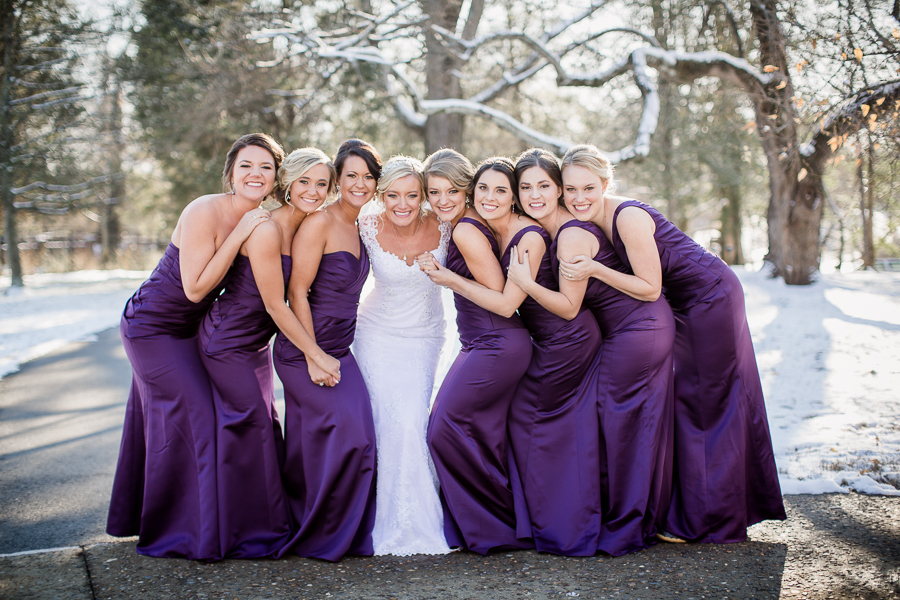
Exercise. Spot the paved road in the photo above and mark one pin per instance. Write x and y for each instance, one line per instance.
(60, 424)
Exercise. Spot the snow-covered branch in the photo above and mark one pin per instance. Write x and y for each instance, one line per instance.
(65, 188)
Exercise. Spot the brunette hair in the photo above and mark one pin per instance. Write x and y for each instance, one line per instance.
(545, 161)
(261, 140)
(296, 164)
(364, 150)
(589, 157)
(452, 166)
(501, 164)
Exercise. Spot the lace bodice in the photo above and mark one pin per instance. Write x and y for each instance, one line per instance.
(403, 301)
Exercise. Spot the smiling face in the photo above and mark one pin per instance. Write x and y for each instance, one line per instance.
(253, 173)
(493, 195)
(357, 183)
(538, 194)
(447, 201)
(402, 201)
(309, 191)
(583, 193)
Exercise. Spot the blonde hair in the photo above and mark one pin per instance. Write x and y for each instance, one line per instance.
(299, 162)
(452, 166)
(397, 168)
(589, 157)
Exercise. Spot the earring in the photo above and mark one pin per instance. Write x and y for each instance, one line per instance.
(232, 188)
(287, 197)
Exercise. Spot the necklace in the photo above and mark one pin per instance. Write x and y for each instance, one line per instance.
(398, 237)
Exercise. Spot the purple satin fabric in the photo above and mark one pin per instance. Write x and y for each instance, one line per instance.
(554, 427)
(164, 489)
(635, 401)
(254, 517)
(467, 432)
(329, 470)
(725, 474)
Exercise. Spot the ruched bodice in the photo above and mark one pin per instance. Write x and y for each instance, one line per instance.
(688, 269)
(611, 307)
(541, 323)
(238, 319)
(160, 307)
(334, 300)
(471, 319)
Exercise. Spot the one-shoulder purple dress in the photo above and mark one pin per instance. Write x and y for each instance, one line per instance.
(553, 424)
(725, 474)
(329, 469)
(254, 517)
(467, 432)
(635, 402)
(164, 489)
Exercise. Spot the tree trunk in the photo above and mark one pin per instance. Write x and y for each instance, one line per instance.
(11, 234)
(109, 225)
(795, 207)
(442, 130)
(865, 209)
(732, 253)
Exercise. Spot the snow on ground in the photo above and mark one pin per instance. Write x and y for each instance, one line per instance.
(829, 357)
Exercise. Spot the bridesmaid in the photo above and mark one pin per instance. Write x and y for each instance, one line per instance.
(165, 484)
(467, 430)
(631, 381)
(254, 517)
(553, 427)
(329, 471)
(725, 475)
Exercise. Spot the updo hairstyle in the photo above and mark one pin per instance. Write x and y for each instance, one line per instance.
(364, 150)
(501, 164)
(590, 157)
(397, 168)
(261, 140)
(296, 165)
(452, 166)
(545, 161)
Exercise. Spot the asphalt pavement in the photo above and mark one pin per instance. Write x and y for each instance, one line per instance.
(60, 425)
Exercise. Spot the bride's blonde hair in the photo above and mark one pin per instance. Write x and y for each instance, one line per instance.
(397, 168)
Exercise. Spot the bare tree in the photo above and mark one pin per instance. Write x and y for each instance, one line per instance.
(795, 167)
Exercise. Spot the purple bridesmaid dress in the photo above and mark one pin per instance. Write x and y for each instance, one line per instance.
(553, 424)
(329, 470)
(254, 518)
(635, 402)
(165, 484)
(467, 432)
(725, 475)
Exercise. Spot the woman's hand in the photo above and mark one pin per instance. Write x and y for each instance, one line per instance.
(581, 267)
(250, 220)
(323, 377)
(438, 274)
(330, 366)
(519, 272)
(426, 262)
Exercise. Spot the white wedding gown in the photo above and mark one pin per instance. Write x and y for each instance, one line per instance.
(400, 331)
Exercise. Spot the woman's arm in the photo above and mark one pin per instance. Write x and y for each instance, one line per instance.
(202, 264)
(306, 254)
(636, 228)
(264, 250)
(565, 303)
(503, 303)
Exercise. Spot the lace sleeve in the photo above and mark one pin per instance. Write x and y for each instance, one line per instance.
(446, 231)
(368, 229)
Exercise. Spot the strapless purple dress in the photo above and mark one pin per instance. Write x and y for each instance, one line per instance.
(553, 424)
(725, 474)
(329, 470)
(164, 489)
(467, 430)
(254, 518)
(635, 395)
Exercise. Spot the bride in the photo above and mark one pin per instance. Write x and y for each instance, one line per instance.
(399, 335)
